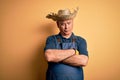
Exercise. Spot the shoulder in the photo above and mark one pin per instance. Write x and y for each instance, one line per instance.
(51, 37)
(80, 39)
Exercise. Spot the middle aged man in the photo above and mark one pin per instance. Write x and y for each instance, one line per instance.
(65, 52)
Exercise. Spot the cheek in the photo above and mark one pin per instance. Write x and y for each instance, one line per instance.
(61, 28)
(71, 26)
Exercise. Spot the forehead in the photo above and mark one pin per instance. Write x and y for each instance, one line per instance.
(68, 20)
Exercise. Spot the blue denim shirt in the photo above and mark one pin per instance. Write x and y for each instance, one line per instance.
(60, 71)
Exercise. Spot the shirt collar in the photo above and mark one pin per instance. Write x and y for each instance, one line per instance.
(66, 38)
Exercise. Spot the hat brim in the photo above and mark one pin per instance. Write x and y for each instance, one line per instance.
(57, 17)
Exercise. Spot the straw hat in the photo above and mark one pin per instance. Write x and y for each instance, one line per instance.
(62, 15)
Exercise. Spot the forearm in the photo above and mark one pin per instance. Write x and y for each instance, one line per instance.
(57, 55)
(76, 60)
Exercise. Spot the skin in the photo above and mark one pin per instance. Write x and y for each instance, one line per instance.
(67, 56)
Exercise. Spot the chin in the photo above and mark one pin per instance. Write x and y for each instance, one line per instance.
(67, 33)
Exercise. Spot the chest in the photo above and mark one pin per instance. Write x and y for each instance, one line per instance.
(66, 43)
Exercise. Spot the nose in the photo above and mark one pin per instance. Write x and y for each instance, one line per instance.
(66, 26)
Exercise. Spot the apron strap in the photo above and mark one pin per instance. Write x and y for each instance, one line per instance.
(59, 40)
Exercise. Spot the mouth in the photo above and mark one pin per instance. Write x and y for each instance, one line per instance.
(65, 30)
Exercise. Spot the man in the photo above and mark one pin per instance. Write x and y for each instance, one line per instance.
(65, 52)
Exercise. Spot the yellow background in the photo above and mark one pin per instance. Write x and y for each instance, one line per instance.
(24, 29)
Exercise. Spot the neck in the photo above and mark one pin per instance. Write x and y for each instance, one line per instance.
(66, 36)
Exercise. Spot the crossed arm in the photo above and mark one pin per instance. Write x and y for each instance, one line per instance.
(67, 56)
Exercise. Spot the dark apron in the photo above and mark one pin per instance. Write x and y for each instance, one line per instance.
(60, 71)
